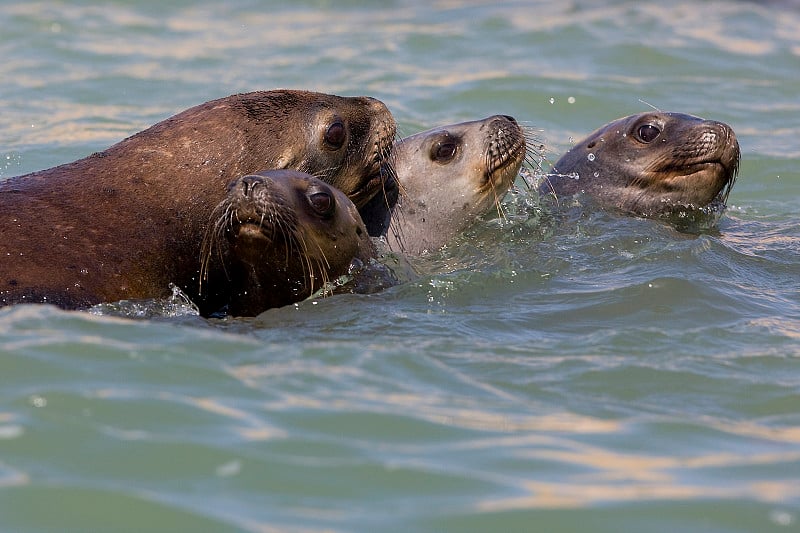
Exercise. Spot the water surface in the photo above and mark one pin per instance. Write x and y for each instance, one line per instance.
(599, 373)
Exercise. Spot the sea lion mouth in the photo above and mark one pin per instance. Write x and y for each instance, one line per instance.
(705, 167)
(253, 230)
(716, 176)
(370, 188)
(503, 173)
(380, 167)
(683, 188)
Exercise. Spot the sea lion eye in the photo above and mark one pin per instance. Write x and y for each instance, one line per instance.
(335, 136)
(444, 151)
(648, 133)
(321, 202)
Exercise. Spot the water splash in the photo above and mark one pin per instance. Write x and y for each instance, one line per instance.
(177, 305)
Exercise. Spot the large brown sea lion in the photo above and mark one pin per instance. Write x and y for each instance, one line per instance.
(126, 222)
(650, 164)
(444, 179)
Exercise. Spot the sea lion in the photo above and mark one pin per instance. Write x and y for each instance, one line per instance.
(277, 238)
(650, 164)
(126, 222)
(444, 178)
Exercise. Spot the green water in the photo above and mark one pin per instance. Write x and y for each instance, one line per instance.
(605, 374)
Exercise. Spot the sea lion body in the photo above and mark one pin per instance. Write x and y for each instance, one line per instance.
(126, 222)
(444, 178)
(277, 238)
(650, 164)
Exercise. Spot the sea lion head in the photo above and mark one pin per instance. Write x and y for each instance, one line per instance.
(446, 177)
(344, 141)
(279, 236)
(651, 163)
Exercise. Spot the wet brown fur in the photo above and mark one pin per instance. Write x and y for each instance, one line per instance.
(126, 222)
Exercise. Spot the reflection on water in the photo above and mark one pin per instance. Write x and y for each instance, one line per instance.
(584, 493)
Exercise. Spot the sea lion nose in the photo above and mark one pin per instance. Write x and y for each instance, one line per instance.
(375, 105)
(724, 131)
(728, 144)
(249, 183)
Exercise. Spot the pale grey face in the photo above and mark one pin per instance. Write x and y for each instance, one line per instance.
(449, 176)
(650, 163)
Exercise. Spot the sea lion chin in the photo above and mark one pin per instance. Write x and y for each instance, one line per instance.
(650, 164)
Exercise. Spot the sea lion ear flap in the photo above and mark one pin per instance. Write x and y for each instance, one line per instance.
(287, 159)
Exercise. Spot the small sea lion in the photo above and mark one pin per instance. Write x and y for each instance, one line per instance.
(277, 238)
(650, 164)
(444, 178)
(126, 222)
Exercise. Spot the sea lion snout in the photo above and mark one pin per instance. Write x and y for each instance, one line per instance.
(507, 118)
(727, 145)
(506, 144)
(247, 185)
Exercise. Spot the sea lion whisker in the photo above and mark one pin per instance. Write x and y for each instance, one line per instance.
(283, 226)
(324, 174)
(648, 104)
(551, 188)
(734, 172)
(536, 157)
(221, 216)
(498, 203)
(305, 262)
(324, 268)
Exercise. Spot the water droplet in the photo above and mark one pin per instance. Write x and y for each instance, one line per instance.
(596, 174)
(782, 518)
(571, 99)
(590, 157)
(552, 100)
(37, 401)
(229, 469)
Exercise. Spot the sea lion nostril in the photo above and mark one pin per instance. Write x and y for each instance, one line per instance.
(249, 184)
